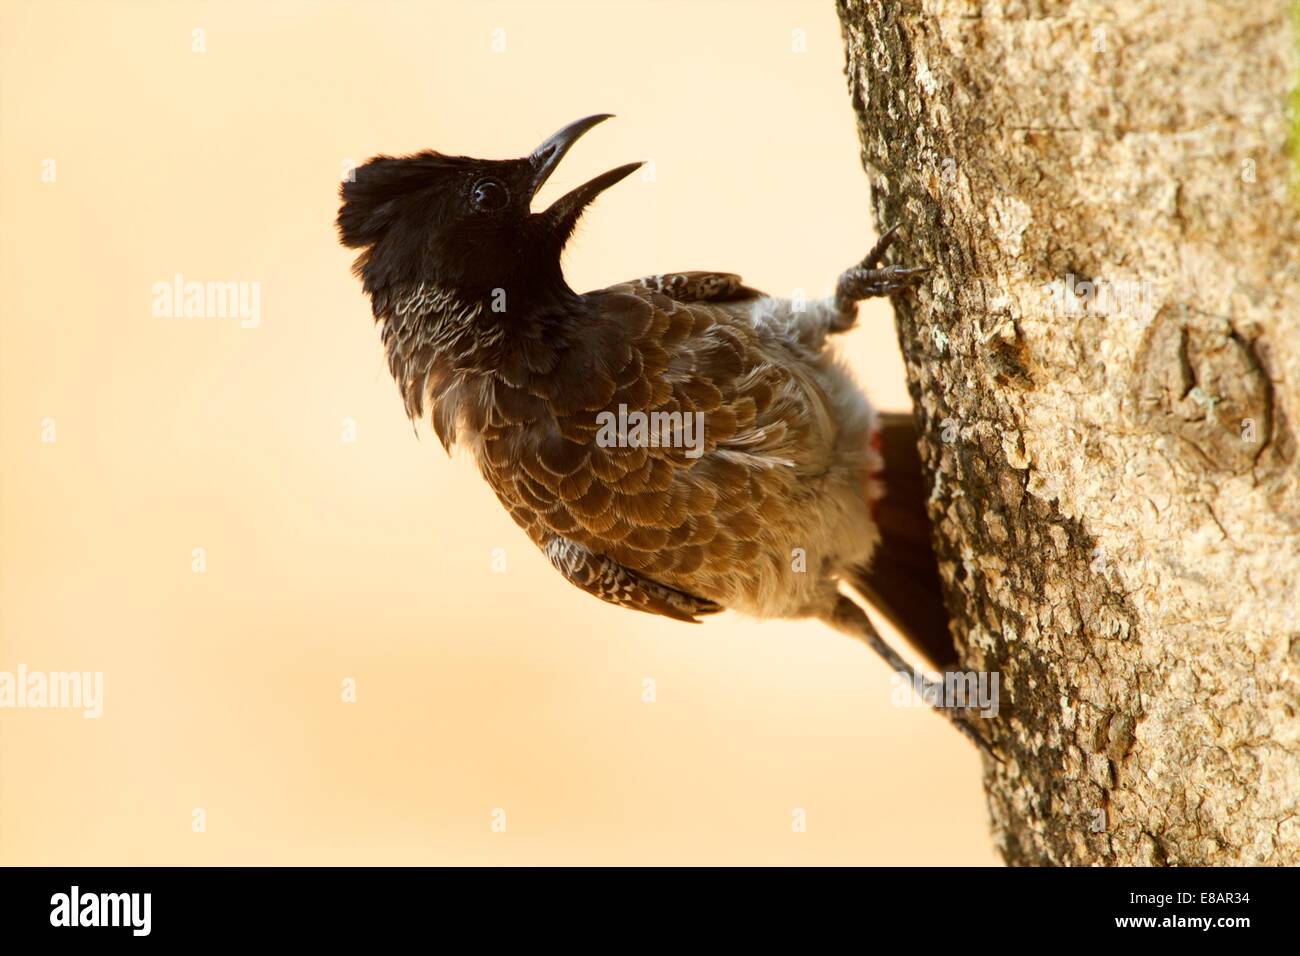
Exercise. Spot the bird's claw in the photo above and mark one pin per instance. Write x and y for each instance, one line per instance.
(872, 258)
(859, 283)
(862, 282)
(866, 280)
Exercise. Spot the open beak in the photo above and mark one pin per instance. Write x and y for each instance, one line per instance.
(546, 157)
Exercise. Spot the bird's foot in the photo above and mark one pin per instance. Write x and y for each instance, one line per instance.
(866, 280)
(851, 619)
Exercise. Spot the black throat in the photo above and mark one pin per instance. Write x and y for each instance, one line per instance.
(436, 338)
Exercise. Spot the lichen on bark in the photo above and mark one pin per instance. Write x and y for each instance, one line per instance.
(1105, 366)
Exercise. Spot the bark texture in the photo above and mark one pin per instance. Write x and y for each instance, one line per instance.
(1105, 366)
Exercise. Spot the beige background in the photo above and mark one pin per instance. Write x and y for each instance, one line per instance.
(372, 559)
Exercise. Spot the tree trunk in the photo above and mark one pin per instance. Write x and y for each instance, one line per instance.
(1105, 367)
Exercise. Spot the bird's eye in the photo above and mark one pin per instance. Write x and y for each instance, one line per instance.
(488, 195)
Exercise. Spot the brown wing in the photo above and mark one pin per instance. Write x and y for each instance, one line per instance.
(679, 519)
(902, 580)
(700, 286)
(610, 581)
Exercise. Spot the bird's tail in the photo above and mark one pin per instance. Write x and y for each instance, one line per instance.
(902, 578)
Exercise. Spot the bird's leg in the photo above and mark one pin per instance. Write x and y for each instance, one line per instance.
(866, 280)
(852, 620)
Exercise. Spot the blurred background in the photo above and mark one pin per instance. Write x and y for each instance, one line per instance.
(234, 522)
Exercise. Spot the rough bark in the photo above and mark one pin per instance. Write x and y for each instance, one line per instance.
(1114, 471)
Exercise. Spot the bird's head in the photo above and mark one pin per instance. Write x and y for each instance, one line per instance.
(464, 224)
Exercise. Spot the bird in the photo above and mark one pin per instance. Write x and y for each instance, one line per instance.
(792, 483)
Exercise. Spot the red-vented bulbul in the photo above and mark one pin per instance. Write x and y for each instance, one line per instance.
(582, 410)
